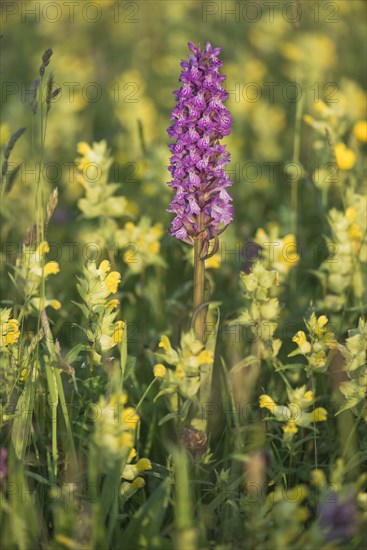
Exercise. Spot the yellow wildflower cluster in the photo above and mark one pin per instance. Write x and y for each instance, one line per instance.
(93, 172)
(338, 116)
(187, 362)
(32, 269)
(296, 413)
(9, 329)
(138, 243)
(96, 287)
(116, 424)
(316, 349)
(337, 119)
(279, 253)
(342, 271)
(141, 244)
(354, 353)
(263, 310)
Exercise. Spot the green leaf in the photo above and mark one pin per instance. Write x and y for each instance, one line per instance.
(147, 521)
(21, 429)
(168, 417)
(247, 362)
(206, 371)
(357, 459)
(74, 353)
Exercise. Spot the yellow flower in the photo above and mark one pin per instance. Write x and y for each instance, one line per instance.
(23, 375)
(318, 479)
(266, 402)
(118, 333)
(132, 455)
(301, 341)
(319, 415)
(351, 214)
(126, 440)
(180, 373)
(320, 324)
(360, 130)
(159, 370)
(55, 304)
(42, 249)
(112, 281)
(130, 226)
(355, 232)
(83, 148)
(131, 471)
(51, 268)
(120, 400)
(322, 321)
(302, 514)
(123, 398)
(157, 230)
(320, 107)
(345, 158)
(154, 248)
(213, 262)
(12, 332)
(309, 120)
(205, 357)
(290, 427)
(291, 51)
(165, 343)
(104, 266)
(112, 303)
(298, 493)
(143, 464)
(130, 417)
(138, 483)
(308, 395)
(289, 255)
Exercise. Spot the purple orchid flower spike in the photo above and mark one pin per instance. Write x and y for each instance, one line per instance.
(201, 205)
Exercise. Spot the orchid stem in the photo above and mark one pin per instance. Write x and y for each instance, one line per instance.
(199, 285)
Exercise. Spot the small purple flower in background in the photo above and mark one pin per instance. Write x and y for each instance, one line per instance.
(3, 463)
(201, 203)
(339, 520)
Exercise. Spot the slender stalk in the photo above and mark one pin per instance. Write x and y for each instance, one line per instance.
(145, 394)
(199, 286)
(296, 157)
(313, 387)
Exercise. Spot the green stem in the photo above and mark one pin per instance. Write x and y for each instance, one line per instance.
(145, 394)
(313, 388)
(199, 285)
(296, 155)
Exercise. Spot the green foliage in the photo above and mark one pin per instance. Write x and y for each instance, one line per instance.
(118, 427)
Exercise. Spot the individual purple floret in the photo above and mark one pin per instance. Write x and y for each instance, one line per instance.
(201, 203)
